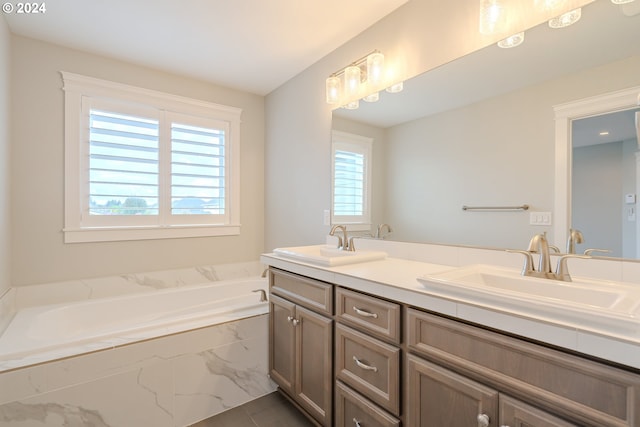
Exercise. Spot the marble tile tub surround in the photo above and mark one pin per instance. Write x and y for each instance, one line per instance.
(170, 381)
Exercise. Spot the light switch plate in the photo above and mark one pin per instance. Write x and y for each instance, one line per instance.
(540, 218)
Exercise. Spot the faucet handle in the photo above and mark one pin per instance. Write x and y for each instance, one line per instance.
(590, 251)
(562, 272)
(527, 268)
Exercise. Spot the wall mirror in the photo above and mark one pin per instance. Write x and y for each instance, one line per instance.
(480, 131)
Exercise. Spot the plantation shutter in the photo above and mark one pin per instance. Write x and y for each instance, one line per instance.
(348, 183)
(123, 164)
(351, 180)
(197, 170)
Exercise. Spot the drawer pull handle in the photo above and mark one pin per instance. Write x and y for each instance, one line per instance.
(364, 365)
(483, 420)
(364, 313)
(356, 422)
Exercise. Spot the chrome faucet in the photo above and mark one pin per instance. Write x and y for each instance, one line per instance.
(575, 236)
(381, 227)
(343, 241)
(539, 244)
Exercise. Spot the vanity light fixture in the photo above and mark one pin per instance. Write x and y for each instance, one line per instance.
(363, 79)
(566, 19)
(512, 41)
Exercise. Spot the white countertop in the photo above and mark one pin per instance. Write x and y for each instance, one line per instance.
(396, 279)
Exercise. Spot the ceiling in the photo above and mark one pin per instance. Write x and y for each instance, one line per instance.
(251, 45)
(606, 128)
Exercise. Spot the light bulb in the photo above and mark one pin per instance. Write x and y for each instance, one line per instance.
(512, 41)
(395, 88)
(352, 105)
(374, 97)
(566, 19)
(333, 90)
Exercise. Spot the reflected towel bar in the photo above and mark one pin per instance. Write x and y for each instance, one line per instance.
(495, 208)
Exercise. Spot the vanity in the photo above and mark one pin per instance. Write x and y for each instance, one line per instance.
(367, 344)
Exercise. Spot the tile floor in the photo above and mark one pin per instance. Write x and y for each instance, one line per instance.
(272, 410)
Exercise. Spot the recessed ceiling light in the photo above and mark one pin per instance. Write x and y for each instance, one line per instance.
(604, 133)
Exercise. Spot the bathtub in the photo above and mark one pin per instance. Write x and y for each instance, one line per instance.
(44, 333)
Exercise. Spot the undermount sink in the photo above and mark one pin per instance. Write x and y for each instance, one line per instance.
(328, 255)
(582, 301)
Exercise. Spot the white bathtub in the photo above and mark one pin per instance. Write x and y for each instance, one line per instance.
(44, 333)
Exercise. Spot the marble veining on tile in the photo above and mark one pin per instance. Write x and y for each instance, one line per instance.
(50, 414)
(165, 382)
(101, 287)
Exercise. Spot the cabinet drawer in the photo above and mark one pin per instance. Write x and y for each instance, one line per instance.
(369, 366)
(353, 410)
(576, 388)
(373, 315)
(312, 294)
(514, 412)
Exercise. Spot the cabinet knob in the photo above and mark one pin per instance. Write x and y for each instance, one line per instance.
(483, 420)
(356, 422)
(364, 313)
(295, 322)
(289, 318)
(364, 365)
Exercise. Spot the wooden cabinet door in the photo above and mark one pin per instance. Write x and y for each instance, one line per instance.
(437, 397)
(282, 342)
(314, 368)
(514, 413)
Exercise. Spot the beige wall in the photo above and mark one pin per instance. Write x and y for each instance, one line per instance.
(417, 37)
(5, 237)
(38, 252)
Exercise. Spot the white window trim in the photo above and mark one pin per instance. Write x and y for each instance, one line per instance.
(349, 141)
(76, 87)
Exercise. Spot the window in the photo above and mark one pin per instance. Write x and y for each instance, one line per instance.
(351, 177)
(142, 164)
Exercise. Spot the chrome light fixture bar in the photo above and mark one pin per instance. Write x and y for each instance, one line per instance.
(362, 79)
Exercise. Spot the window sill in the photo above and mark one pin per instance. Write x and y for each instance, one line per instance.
(113, 234)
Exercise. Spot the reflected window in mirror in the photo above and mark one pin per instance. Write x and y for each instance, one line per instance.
(351, 180)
